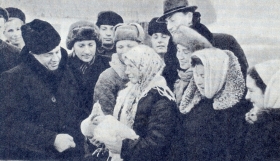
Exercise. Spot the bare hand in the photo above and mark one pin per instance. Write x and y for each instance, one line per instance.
(63, 142)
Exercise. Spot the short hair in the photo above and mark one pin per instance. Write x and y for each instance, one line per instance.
(252, 72)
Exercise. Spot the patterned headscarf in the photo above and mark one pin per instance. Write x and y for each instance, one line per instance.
(223, 80)
(150, 67)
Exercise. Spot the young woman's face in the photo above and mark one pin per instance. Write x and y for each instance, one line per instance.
(198, 75)
(183, 55)
(160, 43)
(85, 50)
(13, 31)
(132, 72)
(254, 93)
(124, 46)
(106, 34)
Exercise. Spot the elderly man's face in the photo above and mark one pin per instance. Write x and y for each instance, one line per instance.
(177, 19)
(50, 59)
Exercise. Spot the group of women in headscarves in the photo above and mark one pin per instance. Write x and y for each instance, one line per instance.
(203, 115)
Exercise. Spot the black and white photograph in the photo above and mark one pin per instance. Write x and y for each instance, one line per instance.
(139, 80)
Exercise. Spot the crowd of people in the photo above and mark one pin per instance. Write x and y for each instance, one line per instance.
(189, 96)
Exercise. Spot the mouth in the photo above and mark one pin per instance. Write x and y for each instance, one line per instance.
(107, 39)
(160, 46)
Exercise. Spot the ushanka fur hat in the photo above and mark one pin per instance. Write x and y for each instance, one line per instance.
(131, 31)
(108, 18)
(4, 13)
(16, 13)
(155, 27)
(39, 36)
(190, 39)
(82, 30)
(172, 6)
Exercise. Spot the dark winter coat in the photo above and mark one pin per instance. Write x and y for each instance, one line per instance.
(9, 56)
(155, 122)
(87, 76)
(36, 105)
(263, 138)
(214, 135)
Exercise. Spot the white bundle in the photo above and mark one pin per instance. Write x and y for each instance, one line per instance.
(106, 129)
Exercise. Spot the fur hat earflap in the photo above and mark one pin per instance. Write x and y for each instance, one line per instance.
(82, 30)
(131, 31)
(39, 36)
(4, 13)
(190, 39)
(16, 13)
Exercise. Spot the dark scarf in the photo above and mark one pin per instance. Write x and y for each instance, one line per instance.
(51, 78)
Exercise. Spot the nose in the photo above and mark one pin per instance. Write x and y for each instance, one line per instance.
(86, 51)
(55, 57)
(179, 55)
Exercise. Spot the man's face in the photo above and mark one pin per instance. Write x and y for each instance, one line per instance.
(160, 43)
(178, 18)
(51, 59)
(106, 33)
(13, 31)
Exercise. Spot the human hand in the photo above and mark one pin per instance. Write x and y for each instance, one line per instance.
(63, 142)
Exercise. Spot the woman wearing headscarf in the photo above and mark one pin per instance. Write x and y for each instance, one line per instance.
(114, 79)
(147, 106)
(263, 137)
(213, 109)
(83, 38)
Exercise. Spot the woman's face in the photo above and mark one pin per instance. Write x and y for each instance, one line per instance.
(132, 72)
(85, 50)
(124, 46)
(254, 93)
(183, 55)
(13, 31)
(198, 75)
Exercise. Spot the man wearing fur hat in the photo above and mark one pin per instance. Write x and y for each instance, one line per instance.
(8, 53)
(12, 27)
(106, 21)
(40, 113)
(179, 12)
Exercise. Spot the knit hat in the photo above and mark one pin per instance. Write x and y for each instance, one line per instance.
(4, 13)
(190, 39)
(39, 36)
(82, 30)
(155, 27)
(16, 13)
(131, 31)
(108, 18)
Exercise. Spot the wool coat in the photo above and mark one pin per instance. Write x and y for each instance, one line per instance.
(263, 138)
(87, 76)
(36, 105)
(9, 56)
(214, 135)
(155, 122)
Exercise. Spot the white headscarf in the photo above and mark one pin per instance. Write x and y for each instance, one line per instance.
(269, 72)
(223, 80)
(150, 67)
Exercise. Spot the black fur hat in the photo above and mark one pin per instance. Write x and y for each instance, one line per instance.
(155, 27)
(39, 36)
(108, 18)
(4, 13)
(16, 13)
(82, 30)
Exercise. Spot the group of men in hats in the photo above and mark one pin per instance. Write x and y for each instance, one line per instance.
(40, 113)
